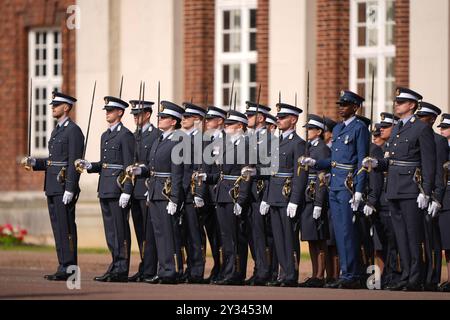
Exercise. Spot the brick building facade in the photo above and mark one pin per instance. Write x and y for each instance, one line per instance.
(199, 39)
(18, 17)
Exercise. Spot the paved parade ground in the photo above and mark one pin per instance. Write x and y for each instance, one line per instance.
(21, 277)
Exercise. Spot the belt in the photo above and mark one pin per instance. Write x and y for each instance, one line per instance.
(112, 166)
(448, 183)
(228, 177)
(312, 176)
(283, 175)
(51, 163)
(404, 163)
(342, 166)
(160, 174)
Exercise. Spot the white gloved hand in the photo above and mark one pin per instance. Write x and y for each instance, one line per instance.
(264, 208)
(199, 176)
(356, 201)
(306, 161)
(28, 162)
(434, 208)
(368, 210)
(84, 164)
(123, 200)
(248, 171)
(291, 210)
(134, 170)
(199, 203)
(237, 210)
(369, 162)
(317, 212)
(171, 208)
(67, 197)
(422, 201)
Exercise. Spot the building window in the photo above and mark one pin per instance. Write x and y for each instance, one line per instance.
(372, 49)
(45, 67)
(236, 51)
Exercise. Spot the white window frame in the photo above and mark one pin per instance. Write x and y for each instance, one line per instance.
(49, 82)
(244, 58)
(379, 52)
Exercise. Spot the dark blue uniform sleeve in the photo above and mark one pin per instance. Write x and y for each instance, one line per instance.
(76, 146)
(128, 145)
(362, 149)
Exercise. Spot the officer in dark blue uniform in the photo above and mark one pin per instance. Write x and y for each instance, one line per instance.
(410, 160)
(116, 153)
(332, 263)
(314, 217)
(444, 215)
(350, 146)
(232, 195)
(145, 135)
(383, 237)
(164, 187)
(285, 195)
(193, 196)
(214, 139)
(61, 182)
(272, 126)
(260, 140)
(428, 113)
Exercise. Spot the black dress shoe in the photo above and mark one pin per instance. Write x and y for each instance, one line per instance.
(413, 287)
(350, 284)
(316, 283)
(273, 283)
(305, 283)
(445, 287)
(230, 282)
(334, 285)
(102, 278)
(250, 281)
(58, 276)
(168, 281)
(137, 277)
(151, 280)
(117, 277)
(194, 280)
(289, 284)
(260, 282)
(399, 286)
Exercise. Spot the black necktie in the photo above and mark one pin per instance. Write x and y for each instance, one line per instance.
(400, 126)
(281, 138)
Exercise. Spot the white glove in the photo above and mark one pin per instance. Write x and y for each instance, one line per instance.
(264, 208)
(237, 209)
(291, 210)
(171, 208)
(422, 201)
(123, 200)
(317, 212)
(369, 162)
(248, 171)
(136, 171)
(199, 176)
(368, 210)
(84, 164)
(199, 203)
(433, 208)
(305, 161)
(356, 201)
(28, 162)
(67, 197)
